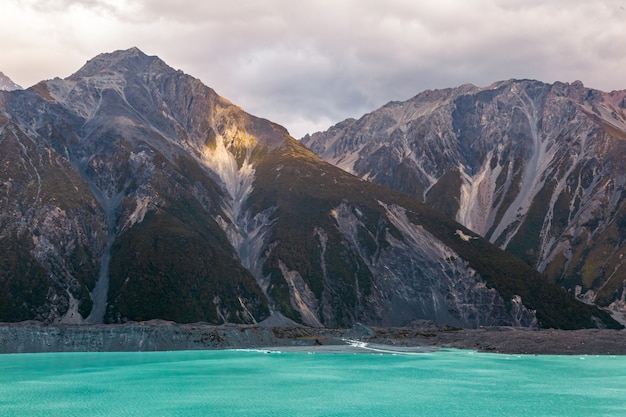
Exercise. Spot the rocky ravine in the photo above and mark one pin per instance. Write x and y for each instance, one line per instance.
(538, 169)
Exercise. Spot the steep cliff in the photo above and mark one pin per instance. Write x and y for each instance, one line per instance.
(538, 169)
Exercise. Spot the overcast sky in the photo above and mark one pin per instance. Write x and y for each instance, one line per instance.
(310, 64)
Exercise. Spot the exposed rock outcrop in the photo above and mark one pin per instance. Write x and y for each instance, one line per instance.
(537, 169)
(6, 84)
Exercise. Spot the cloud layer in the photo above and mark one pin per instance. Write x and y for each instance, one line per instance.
(308, 65)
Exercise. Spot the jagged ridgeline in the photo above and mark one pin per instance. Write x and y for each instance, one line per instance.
(131, 191)
(6, 84)
(537, 169)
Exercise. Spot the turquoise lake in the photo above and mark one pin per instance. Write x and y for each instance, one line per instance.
(257, 383)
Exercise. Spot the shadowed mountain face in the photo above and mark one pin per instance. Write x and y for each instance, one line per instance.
(131, 191)
(537, 169)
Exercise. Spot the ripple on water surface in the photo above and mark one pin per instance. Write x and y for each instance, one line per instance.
(257, 383)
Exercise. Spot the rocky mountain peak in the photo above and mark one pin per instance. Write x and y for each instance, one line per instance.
(536, 168)
(125, 62)
(6, 84)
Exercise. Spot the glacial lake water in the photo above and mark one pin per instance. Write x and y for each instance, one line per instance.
(257, 383)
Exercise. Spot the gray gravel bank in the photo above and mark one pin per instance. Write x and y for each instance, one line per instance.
(32, 337)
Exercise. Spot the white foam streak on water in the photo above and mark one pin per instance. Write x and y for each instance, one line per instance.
(365, 346)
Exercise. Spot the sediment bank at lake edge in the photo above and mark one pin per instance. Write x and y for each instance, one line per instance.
(156, 335)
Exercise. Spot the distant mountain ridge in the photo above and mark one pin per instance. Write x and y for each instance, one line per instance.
(130, 191)
(535, 168)
(6, 84)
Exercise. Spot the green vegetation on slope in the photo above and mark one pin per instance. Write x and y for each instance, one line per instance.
(306, 191)
(23, 281)
(176, 264)
(554, 307)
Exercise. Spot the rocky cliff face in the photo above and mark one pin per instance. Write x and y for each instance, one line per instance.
(537, 169)
(131, 191)
(109, 201)
(6, 84)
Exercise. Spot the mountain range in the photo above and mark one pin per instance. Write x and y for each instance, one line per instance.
(131, 191)
(537, 169)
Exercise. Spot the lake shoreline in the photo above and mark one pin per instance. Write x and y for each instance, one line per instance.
(158, 335)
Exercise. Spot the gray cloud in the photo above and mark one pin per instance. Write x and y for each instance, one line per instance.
(307, 65)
